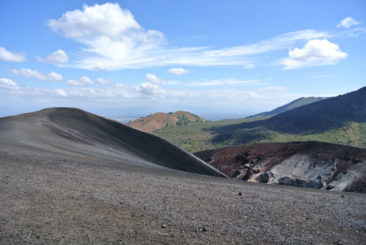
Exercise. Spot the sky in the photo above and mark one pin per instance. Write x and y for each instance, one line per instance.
(219, 59)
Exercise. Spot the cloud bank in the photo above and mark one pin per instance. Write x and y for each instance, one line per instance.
(28, 73)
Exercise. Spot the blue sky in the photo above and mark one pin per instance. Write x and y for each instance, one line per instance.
(219, 59)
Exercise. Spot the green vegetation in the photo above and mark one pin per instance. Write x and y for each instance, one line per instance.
(199, 136)
(352, 133)
(339, 120)
(196, 136)
(183, 120)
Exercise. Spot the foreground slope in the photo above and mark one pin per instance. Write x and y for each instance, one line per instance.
(161, 120)
(78, 134)
(62, 183)
(304, 164)
(44, 201)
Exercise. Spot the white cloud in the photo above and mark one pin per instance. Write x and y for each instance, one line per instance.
(104, 81)
(28, 73)
(104, 55)
(53, 76)
(8, 84)
(57, 57)
(314, 53)
(112, 39)
(225, 82)
(142, 95)
(153, 79)
(178, 71)
(105, 20)
(82, 81)
(38, 58)
(61, 92)
(249, 66)
(6, 55)
(279, 42)
(348, 22)
(73, 82)
(354, 32)
(149, 88)
(114, 91)
(152, 86)
(108, 32)
(86, 80)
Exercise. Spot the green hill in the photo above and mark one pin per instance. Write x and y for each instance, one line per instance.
(340, 120)
(290, 106)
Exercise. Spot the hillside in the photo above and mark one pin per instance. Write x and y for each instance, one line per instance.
(161, 120)
(76, 134)
(195, 136)
(340, 119)
(71, 177)
(305, 164)
(290, 106)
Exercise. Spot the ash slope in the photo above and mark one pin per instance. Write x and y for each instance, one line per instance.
(75, 134)
(303, 164)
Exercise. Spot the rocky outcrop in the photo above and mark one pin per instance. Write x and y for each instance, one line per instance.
(302, 164)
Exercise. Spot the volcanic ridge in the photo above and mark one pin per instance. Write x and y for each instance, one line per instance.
(75, 133)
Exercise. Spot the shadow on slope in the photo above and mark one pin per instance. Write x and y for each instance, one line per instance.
(76, 131)
(313, 118)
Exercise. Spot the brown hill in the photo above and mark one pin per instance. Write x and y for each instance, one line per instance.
(305, 164)
(161, 120)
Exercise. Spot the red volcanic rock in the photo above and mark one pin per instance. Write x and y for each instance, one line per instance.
(306, 164)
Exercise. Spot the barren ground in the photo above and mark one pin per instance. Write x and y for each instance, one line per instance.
(310, 164)
(50, 198)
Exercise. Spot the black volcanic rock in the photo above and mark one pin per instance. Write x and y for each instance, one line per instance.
(302, 164)
(78, 133)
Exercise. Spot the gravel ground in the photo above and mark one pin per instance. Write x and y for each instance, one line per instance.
(50, 198)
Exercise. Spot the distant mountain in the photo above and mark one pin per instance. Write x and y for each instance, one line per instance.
(315, 118)
(304, 164)
(290, 106)
(161, 120)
